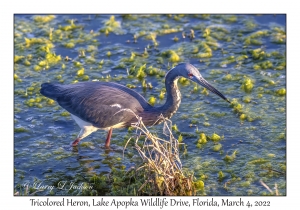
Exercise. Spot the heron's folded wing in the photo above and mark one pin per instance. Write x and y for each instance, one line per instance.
(103, 106)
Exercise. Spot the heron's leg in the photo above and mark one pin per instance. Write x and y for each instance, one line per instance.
(107, 142)
(76, 142)
(84, 132)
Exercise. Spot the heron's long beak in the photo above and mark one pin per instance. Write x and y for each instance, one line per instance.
(201, 81)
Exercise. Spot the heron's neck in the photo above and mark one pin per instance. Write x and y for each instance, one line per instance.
(173, 97)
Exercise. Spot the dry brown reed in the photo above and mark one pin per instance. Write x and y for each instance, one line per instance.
(161, 162)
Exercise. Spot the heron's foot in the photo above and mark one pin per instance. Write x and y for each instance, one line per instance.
(75, 143)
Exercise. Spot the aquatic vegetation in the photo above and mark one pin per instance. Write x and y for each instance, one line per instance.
(258, 54)
(243, 116)
(230, 158)
(247, 85)
(199, 185)
(258, 161)
(278, 35)
(141, 72)
(152, 100)
(69, 45)
(220, 176)
(215, 137)
(183, 81)
(43, 19)
(65, 114)
(217, 147)
(175, 128)
(80, 72)
(18, 58)
(281, 92)
(111, 25)
(20, 129)
(201, 140)
(205, 51)
(172, 55)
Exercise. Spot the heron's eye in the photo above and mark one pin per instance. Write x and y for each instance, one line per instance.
(190, 75)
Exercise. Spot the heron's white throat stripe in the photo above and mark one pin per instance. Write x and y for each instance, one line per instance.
(116, 105)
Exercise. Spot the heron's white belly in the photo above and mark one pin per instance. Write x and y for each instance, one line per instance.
(89, 126)
(83, 124)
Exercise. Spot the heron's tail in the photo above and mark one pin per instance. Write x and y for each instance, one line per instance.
(51, 90)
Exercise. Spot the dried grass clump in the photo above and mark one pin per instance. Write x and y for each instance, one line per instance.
(162, 166)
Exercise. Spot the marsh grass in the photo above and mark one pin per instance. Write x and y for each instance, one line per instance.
(161, 162)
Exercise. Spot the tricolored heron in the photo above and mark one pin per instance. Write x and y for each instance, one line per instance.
(108, 105)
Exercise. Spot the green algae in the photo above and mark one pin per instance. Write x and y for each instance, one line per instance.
(215, 137)
(230, 158)
(258, 161)
(43, 19)
(281, 92)
(199, 185)
(152, 100)
(217, 147)
(221, 176)
(247, 85)
(20, 129)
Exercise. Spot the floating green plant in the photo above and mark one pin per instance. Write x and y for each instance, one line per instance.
(174, 128)
(85, 78)
(243, 116)
(220, 176)
(281, 92)
(141, 72)
(70, 27)
(199, 185)
(20, 129)
(205, 92)
(205, 51)
(18, 58)
(80, 72)
(227, 77)
(258, 161)
(230, 158)
(202, 139)
(32, 41)
(65, 114)
(217, 147)
(175, 39)
(50, 102)
(69, 45)
(258, 54)
(263, 65)
(43, 19)
(215, 137)
(247, 85)
(271, 155)
(174, 57)
(111, 25)
(162, 94)
(130, 86)
(230, 18)
(180, 138)
(183, 81)
(152, 100)
(206, 124)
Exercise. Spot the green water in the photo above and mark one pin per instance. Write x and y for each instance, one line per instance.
(243, 56)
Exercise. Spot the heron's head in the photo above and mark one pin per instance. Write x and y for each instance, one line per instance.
(191, 72)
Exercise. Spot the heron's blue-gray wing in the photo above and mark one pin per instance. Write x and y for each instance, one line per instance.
(102, 104)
